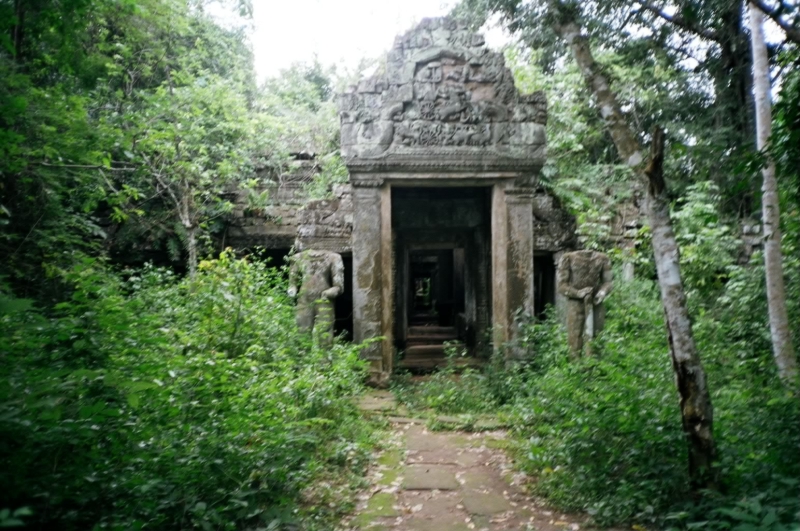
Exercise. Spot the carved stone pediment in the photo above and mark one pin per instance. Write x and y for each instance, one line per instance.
(443, 96)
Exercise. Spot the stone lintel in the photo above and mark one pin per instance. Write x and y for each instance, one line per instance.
(444, 163)
(429, 178)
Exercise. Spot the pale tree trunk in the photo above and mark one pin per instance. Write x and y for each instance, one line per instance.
(181, 195)
(191, 231)
(695, 401)
(185, 213)
(191, 248)
(776, 294)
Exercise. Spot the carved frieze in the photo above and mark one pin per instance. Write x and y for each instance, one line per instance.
(442, 91)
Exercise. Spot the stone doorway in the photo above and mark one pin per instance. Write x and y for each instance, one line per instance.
(435, 287)
(544, 282)
(442, 252)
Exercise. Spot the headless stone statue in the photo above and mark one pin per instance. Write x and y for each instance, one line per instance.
(584, 278)
(320, 275)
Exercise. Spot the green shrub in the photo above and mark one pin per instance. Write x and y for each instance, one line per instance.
(166, 403)
(604, 435)
(447, 390)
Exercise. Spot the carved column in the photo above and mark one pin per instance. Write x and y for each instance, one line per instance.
(512, 263)
(519, 205)
(369, 304)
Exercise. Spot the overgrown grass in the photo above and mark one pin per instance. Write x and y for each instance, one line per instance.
(162, 403)
(603, 434)
(448, 390)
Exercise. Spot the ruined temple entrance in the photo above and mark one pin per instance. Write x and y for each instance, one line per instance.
(443, 154)
(442, 250)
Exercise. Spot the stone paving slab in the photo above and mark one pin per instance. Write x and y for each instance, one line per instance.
(485, 503)
(419, 439)
(430, 477)
(482, 478)
(448, 456)
(450, 481)
(377, 401)
(431, 504)
(420, 524)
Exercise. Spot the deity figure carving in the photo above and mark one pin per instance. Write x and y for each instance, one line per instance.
(439, 76)
(585, 279)
(320, 277)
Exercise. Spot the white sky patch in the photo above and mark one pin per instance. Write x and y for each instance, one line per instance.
(339, 32)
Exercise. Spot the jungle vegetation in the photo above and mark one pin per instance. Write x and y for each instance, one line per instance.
(150, 379)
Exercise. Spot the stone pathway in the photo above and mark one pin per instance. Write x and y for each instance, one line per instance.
(447, 481)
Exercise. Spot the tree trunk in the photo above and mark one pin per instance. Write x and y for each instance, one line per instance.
(696, 410)
(191, 248)
(695, 401)
(776, 294)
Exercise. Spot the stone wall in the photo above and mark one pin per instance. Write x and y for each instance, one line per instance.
(290, 214)
(327, 224)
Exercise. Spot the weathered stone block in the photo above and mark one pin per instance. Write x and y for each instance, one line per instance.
(430, 477)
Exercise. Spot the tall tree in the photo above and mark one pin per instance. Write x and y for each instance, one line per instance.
(782, 347)
(563, 18)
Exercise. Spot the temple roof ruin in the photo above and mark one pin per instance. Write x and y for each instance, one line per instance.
(443, 102)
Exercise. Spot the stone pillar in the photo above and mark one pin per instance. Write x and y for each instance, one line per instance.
(519, 207)
(499, 243)
(387, 261)
(512, 263)
(368, 277)
(561, 300)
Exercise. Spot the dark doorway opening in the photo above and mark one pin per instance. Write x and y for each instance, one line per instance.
(437, 287)
(273, 257)
(443, 268)
(544, 286)
(343, 304)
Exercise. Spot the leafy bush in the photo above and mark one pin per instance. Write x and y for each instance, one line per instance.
(603, 434)
(166, 403)
(448, 390)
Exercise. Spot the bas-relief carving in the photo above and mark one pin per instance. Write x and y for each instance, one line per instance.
(441, 89)
(585, 280)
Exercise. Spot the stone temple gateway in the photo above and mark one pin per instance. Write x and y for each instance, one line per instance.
(443, 154)
(444, 231)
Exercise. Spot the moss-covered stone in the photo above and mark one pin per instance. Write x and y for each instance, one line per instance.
(381, 505)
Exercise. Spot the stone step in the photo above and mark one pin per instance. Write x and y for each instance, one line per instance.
(437, 362)
(424, 351)
(425, 339)
(431, 330)
(432, 348)
(423, 322)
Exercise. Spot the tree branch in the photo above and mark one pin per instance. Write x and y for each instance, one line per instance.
(681, 22)
(791, 31)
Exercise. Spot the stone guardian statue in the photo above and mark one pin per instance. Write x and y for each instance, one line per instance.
(585, 279)
(320, 276)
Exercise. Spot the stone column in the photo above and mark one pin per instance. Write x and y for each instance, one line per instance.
(519, 207)
(499, 243)
(368, 300)
(387, 284)
(512, 263)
